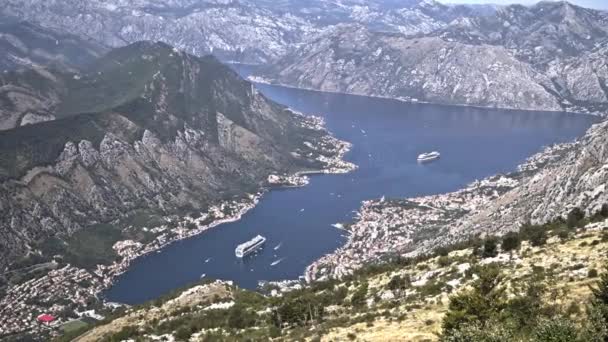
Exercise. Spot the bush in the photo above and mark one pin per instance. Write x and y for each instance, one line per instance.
(478, 333)
(537, 235)
(489, 248)
(359, 297)
(351, 336)
(592, 273)
(575, 216)
(556, 330)
(444, 261)
(604, 211)
(510, 242)
(563, 234)
(477, 305)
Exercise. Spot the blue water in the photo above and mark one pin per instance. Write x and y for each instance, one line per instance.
(387, 136)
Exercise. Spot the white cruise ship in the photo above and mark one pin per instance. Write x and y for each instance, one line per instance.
(249, 246)
(425, 157)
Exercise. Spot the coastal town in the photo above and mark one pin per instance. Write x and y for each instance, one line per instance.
(62, 297)
(388, 227)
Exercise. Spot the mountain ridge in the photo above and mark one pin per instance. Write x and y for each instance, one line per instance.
(194, 133)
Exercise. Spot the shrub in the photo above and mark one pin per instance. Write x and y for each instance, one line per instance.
(489, 248)
(592, 273)
(351, 336)
(510, 242)
(604, 211)
(575, 216)
(477, 305)
(537, 235)
(563, 234)
(444, 261)
(555, 330)
(359, 297)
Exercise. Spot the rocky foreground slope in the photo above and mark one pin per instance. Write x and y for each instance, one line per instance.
(549, 56)
(146, 127)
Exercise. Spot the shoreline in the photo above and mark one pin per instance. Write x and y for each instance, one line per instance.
(383, 228)
(75, 285)
(262, 80)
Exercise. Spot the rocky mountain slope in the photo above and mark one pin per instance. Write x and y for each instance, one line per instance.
(253, 31)
(24, 45)
(147, 126)
(352, 59)
(544, 57)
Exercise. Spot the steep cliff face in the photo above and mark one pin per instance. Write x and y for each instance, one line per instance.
(147, 127)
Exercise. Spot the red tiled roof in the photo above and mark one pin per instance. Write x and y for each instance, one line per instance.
(46, 318)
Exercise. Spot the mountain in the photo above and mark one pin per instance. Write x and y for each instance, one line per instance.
(536, 34)
(24, 45)
(251, 31)
(146, 127)
(352, 59)
(545, 57)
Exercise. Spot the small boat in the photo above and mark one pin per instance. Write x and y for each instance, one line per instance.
(278, 246)
(276, 262)
(426, 157)
(207, 260)
(203, 275)
(250, 246)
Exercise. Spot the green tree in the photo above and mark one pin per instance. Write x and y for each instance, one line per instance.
(478, 305)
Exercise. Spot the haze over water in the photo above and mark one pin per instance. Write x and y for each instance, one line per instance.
(387, 136)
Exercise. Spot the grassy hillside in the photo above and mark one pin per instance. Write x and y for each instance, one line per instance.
(532, 286)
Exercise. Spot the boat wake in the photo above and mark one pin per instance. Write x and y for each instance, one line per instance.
(276, 262)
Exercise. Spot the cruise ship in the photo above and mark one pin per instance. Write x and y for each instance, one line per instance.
(426, 157)
(250, 246)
